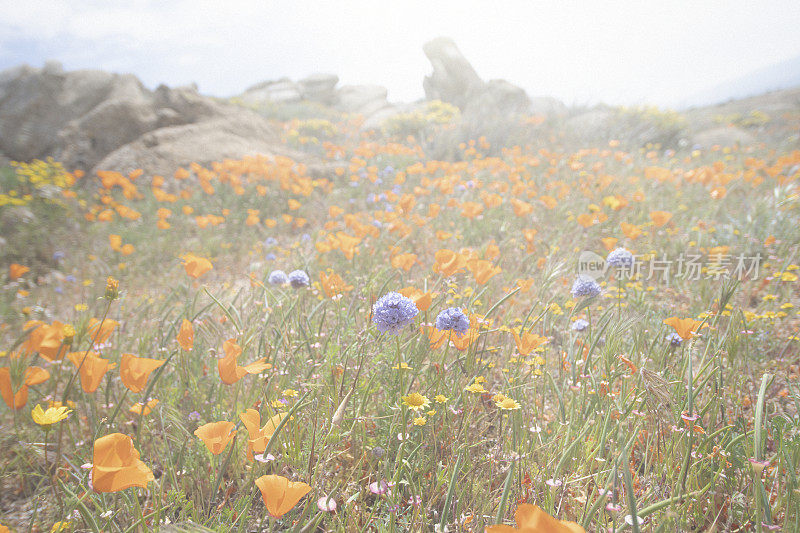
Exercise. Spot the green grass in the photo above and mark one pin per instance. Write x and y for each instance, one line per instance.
(608, 408)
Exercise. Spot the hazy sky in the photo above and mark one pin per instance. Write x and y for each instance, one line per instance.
(582, 52)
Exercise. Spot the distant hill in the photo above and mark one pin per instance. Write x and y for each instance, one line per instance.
(783, 75)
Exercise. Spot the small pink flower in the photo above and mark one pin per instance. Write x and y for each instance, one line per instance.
(326, 504)
(380, 487)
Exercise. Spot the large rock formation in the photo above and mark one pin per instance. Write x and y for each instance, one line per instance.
(453, 79)
(92, 119)
(163, 150)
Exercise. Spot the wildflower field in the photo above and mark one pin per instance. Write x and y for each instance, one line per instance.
(517, 338)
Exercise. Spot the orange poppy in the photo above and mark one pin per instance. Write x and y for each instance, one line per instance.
(196, 266)
(448, 262)
(134, 371)
(45, 339)
(586, 219)
(15, 271)
(464, 341)
(527, 342)
(259, 436)
(525, 284)
(531, 519)
(279, 494)
(521, 208)
(492, 251)
(100, 331)
(660, 218)
(685, 327)
(17, 399)
(609, 242)
(215, 435)
(333, 284)
(404, 261)
(186, 335)
(229, 370)
(436, 337)
(421, 299)
(115, 241)
(143, 409)
(483, 270)
(471, 209)
(631, 231)
(548, 201)
(92, 368)
(116, 465)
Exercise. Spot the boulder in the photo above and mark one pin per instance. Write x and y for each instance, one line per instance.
(723, 136)
(35, 104)
(80, 117)
(363, 99)
(319, 88)
(497, 97)
(596, 122)
(126, 113)
(283, 91)
(548, 106)
(163, 150)
(453, 79)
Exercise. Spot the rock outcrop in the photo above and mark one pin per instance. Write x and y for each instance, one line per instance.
(162, 150)
(722, 136)
(319, 88)
(453, 79)
(282, 91)
(91, 119)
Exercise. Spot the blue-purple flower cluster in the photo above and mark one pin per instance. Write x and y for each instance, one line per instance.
(392, 312)
(585, 286)
(452, 319)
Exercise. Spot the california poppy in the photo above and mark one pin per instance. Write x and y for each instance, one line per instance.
(115, 241)
(610, 242)
(16, 399)
(47, 339)
(333, 284)
(421, 299)
(471, 209)
(196, 266)
(531, 519)
(229, 370)
(92, 368)
(448, 262)
(186, 335)
(404, 261)
(527, 342)
(464, 341)
(279, 494)
(100, 331)
(15, 270)
(116, 465)
(483, 270)
(685, 327)
(134, 371)
(259, 436)
(143, 408)
(631, 231)
(215, 435)
(436, 337)
(660, 218)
